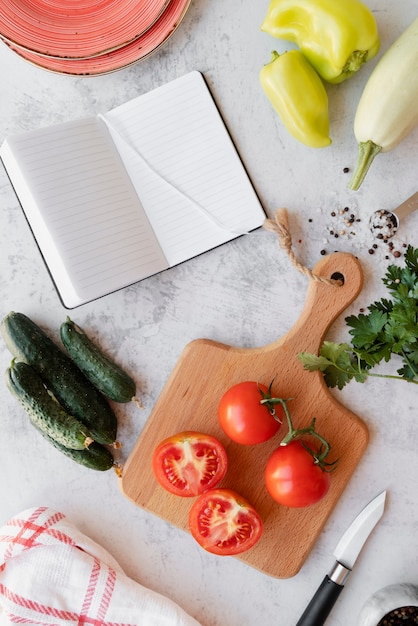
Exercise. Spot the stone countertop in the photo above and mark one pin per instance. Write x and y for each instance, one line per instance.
(245, 293)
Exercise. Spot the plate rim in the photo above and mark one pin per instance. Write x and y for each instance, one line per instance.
(164, 4)
(183, 6)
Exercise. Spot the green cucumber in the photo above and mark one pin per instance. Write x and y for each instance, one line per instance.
(95, 457)
(29, 343)
(43, 409)
(101, 371)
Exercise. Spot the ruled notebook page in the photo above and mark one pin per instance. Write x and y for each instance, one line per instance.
(185, 168)
(82, 208)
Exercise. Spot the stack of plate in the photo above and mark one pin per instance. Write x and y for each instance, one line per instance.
(88, 37)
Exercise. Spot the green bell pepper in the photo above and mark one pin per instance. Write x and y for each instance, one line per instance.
(299, 97)
(336, 36)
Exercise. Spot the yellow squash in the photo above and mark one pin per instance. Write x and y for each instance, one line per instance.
(388, 108)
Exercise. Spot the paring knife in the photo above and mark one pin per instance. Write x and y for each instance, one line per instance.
(346, 554)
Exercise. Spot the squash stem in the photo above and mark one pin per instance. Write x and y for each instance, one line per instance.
(366, 154)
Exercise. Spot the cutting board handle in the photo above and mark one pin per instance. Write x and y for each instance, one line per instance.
(324, 301)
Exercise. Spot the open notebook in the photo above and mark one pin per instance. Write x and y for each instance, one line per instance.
(116, 198)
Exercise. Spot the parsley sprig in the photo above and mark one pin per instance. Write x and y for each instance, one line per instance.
(389, 329)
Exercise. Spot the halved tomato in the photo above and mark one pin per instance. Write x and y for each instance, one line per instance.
(189, 463)
(224, 523)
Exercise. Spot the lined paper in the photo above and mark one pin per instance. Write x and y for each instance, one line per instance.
(114, 199)
(185, 168)
(83, 211)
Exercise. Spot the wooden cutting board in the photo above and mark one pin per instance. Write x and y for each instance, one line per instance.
(189, 401)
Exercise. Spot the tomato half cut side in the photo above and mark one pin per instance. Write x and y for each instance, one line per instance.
(189, 463)
(224, 523)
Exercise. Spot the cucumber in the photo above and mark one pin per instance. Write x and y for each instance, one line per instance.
(101, 371)
(43, 409)
(29, 343)
(95, 457)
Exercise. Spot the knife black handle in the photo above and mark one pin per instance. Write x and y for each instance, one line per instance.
(321, 604)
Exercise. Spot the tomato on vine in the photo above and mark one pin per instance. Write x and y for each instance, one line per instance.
(297, 474)
(249, 414)
(293, 478)
(224, 523)
(189, 463)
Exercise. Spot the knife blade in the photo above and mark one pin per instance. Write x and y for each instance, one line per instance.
(346, 553)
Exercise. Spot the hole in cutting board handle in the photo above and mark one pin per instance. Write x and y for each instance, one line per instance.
(338, 276)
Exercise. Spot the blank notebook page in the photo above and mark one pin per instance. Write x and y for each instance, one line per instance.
(185, 167)
(82, 208)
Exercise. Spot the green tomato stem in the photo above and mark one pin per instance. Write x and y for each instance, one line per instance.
(366, 153)
(297, 433)
(268, 401)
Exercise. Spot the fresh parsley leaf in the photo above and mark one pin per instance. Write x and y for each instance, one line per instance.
(411, 356)
(411, 259)
(370, 358)
(336, 361)
(386, 306)
(389, 330)
(312, 362)
(366, 330)
(406, 372)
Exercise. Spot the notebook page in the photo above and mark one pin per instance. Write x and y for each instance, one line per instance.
(185, 168)
(83, 210)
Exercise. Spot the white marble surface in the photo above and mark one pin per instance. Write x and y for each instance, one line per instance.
(245, 293)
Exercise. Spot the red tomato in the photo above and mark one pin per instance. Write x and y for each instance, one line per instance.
(188, 463)
(225, 523)
(242, 416)
(293, 479)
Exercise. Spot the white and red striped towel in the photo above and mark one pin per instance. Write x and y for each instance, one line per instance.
(52, 574)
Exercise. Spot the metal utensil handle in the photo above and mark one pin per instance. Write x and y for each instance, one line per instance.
(407, 207)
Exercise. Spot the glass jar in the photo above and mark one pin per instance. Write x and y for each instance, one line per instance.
(391, 606)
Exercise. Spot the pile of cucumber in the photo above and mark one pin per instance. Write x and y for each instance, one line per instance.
(65, 395)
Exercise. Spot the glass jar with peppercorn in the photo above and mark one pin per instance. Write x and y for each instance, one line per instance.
(391, 606)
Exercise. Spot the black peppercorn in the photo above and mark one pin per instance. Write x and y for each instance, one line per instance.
(405, 615)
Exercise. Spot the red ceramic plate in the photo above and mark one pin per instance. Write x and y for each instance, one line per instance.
(127, 55)
(76, 29)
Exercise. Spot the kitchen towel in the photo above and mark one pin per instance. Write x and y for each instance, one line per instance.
(52, 574)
